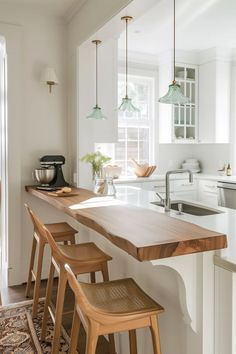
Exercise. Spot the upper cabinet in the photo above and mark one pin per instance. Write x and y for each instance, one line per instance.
(179, 123)
(207, 82)
(185, 117)
(214, 100)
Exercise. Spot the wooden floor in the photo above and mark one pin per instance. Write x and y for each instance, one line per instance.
(17, 294)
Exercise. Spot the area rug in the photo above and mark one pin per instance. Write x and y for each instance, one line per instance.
(20, 334)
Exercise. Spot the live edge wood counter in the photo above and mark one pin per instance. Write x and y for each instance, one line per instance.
(143, 233)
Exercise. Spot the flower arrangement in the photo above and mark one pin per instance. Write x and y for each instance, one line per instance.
(97, 160)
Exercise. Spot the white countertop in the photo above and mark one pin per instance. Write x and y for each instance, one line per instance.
(223, 223)
(212, 177)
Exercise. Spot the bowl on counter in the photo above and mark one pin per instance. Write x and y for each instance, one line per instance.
(113, 171)
(44, 175)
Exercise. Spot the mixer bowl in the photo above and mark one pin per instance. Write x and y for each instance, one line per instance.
(44, 175)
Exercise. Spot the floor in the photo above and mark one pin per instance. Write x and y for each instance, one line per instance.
(17, 293)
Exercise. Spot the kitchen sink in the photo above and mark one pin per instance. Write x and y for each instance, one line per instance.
(190, 208)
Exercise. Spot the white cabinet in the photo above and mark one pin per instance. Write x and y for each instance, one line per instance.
(185, 190)
(179, 123)
(214, 101)
(207, 192)
(185, 117)
(157, 186)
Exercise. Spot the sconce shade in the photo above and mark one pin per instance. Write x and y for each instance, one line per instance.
(49, 77)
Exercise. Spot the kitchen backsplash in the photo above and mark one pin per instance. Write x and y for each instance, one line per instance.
(211, 156)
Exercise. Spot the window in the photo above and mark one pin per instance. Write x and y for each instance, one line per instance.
(135, 130)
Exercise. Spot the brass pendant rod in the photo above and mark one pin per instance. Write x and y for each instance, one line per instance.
(174, 43)
(127, 19)
(96, 74)
(126, 65)
(96, 42)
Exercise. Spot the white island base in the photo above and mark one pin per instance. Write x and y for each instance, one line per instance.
(184, 286)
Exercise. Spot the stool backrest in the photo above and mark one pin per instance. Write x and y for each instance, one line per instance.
(38, 225)
(43, 232)
(80, 298)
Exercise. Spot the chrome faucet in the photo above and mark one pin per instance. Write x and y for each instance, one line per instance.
(167, 198)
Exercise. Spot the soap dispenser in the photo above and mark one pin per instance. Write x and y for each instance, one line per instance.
(229, 170)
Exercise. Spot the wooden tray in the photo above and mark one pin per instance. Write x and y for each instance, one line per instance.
(54, 194)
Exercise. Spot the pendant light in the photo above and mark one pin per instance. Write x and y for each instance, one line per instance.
(174, 94)
(96, 112)
(127, 105)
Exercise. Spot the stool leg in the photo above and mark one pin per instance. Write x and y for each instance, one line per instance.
(91, 339)
(47, 301)
(59, 310)
(132, 342)
(155, 335)
(74, 333)
(105, 274)
(38, 279)
(72, 240)
(31, 267)
(92, 277)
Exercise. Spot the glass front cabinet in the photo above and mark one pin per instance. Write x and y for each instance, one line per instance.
(185, 117)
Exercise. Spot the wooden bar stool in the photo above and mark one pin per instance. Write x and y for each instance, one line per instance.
(110, 307)
(61, 232)
(82, 258)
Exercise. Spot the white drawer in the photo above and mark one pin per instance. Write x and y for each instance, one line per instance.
(184, 185)
(157, 186)
(208, 186)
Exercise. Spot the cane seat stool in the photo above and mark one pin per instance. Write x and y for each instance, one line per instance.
(61, 232)
(109, 307)
(83, 258)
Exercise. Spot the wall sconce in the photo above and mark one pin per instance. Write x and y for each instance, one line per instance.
(49, 77)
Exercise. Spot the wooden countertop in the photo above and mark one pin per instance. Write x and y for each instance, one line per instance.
(143, 233)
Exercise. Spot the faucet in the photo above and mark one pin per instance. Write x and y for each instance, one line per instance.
(168, 173)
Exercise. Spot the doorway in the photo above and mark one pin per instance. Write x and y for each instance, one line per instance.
(3, 163)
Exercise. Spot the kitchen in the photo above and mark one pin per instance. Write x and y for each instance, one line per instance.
(214, 151)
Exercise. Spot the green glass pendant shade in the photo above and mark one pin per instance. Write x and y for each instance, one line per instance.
(127, 106)
(174, 96)
(96, 114)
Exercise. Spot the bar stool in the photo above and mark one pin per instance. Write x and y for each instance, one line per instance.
(110, 307)
(61, 232)
(82, 258)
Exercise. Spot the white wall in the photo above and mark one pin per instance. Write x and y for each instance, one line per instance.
(37, 122)
(211, 156)
(91, 17)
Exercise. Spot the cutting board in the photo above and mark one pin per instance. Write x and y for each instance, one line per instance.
(54, 194)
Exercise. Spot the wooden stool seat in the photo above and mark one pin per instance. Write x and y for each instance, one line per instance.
(110, 307)
(119, 297)
(83, 252)
(61, 232)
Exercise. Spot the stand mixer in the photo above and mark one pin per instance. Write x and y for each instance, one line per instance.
(49, 162)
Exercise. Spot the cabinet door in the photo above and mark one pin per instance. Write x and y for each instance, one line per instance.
(186, 195)
(207, 192)
(214, 102)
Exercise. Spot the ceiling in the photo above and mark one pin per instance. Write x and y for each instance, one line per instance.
(62, 8)
(200, 24)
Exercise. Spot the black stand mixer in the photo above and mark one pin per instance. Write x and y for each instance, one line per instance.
(56, 161)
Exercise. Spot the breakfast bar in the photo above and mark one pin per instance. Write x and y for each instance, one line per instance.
(171, 256)
(143, 233)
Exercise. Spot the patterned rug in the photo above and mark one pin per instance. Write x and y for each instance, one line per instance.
(20, 334)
